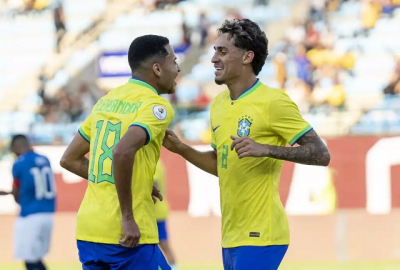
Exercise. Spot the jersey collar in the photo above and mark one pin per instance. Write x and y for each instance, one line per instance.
(248, 91)
(137, 81)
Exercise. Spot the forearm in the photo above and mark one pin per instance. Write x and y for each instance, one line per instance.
(123, 167)
(78, 167)
(207, 161)
(3, 193)
(305, 154)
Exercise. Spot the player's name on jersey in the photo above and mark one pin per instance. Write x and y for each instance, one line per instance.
(117, 106)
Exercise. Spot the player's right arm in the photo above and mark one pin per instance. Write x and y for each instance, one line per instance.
(207, 161)
(74, 158)
(123, 159)
(146, 126)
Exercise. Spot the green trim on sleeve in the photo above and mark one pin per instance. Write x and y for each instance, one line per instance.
(83, 134)
(300, 134)
(214, 146)
(146, 128)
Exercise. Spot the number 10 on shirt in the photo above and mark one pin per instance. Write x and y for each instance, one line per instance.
(106, 151)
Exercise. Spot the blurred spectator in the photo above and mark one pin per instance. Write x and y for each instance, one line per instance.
(337, 94)
(296, 33)
(185, 31)
(204, 27)
(393, 88)
(312, 36)
(317, 10)
(370, 13)
(303, 65)
(280, 65)
(59, 22)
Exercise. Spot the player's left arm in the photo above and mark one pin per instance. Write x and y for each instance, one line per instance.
(3, 193)
(74, 158)
(286, 121)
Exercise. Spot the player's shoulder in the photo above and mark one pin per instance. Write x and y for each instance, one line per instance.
(274, 94)
(159, 105)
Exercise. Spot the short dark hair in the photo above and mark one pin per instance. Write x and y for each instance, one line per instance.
(247, 35)
(18, 137)
(145, 47)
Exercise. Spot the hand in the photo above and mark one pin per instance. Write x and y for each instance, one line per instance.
(131, 233)
(171, 141)
(156, 194)
(246, 147)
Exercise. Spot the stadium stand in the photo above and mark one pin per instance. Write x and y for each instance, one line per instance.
(339, 62)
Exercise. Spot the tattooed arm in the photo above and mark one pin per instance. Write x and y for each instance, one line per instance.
(312, 151)
(74, 159)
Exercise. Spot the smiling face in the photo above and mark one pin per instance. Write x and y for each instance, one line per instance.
(227, 59)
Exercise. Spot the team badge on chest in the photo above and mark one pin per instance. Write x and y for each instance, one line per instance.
(244, 125)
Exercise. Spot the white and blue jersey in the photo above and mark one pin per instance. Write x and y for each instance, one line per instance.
(37, 192)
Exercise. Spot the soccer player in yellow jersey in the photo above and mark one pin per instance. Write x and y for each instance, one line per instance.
(251, 126)
(116, 223)
(162, 210)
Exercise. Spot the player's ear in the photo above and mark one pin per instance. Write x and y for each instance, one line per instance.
(157, 69)
(248, 57)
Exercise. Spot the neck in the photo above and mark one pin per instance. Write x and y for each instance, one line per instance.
(238, 86)
(147, 79)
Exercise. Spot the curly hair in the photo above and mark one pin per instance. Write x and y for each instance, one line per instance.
(247, 35)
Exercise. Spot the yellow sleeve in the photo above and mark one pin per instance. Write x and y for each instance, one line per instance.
(86, 128)
(213, 142)
(285, 119)
(155, 119)
(213, 128)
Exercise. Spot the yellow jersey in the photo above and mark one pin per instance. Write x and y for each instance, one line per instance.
(252, 212)
(162, 208)
(134, 104)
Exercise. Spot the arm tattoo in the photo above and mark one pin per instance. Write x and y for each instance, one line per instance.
(84, 168)
(312, 151)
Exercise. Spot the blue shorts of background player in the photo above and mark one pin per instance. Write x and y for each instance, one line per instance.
(97, 256)
(162, 230)
(253, 257)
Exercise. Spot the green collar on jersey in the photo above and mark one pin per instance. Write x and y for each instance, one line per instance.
(143, 84)
(248, 91)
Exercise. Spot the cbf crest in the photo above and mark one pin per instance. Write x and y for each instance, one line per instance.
(244, 125)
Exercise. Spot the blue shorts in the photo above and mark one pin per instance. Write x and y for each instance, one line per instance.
(97, 256)
(162, 230)
(253, 257)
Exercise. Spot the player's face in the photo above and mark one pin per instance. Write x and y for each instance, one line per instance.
(170, 71)
(227, 60)
(17, 150)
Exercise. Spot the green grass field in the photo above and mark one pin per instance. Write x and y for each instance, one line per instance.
(286, 266)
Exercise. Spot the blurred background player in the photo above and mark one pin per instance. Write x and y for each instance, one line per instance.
(116, 223)
(257, 122)
(162, 211)
(35, 191)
